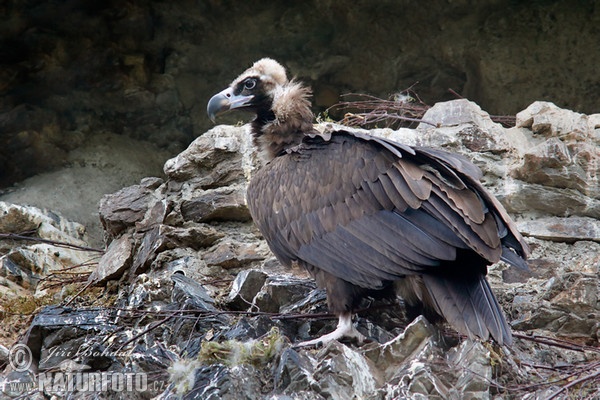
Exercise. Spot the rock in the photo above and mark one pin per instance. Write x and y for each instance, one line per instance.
(50, 244)
(57, 334)
(232, 254)
(244, 288)
(125, 208)
(422, 369)
(195, 237)
(343, 373)
(233, 378)
(310, 301)
(190, 294)
(568, 309)
(14, 382)
(294, 372)
(22, 219)
(546, 164)
(549, 120)
(114, 262)
(514, 275)
(566, 155)
(247, 329)
(415, 338)
(182, 261)
(209, 178)
(523, 198)
(473, 362)
(162, 238)
(217, 382)
(4, 355)
(581, 297)
(567, 230)
(217, 205)
(396, 368)
(463, 113)
(301, 395)
(217, 158)
(153, 242)
(282, 292)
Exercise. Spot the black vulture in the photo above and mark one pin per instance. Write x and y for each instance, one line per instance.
(368, 216)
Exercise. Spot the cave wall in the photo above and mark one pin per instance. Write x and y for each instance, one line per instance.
(76, 68)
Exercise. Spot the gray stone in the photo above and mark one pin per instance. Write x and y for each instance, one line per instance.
(13, 383)
(190, 294)
(536, 199)
(413, 340)
(462, 113)
(567, 153)
(35, 243)
(547, 119)
(245, 286)
(114, 262)
(59, 326)
(567, 230)
(311, 300)
(18, 219)
(232, 254)
(473, 362)
(214, 159)
(217, 382)
(196, 237)
(56, 357)
(152, 243)
(227, 204)
(299, 395)
(581, 297)
(343, 373)
(4, 355)
(123, 209)
(282, 292)
(295, 372)
(548, 163)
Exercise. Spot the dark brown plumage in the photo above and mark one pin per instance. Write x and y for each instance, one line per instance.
(365, 214)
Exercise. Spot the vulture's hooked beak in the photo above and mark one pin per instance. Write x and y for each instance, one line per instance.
(225, 101)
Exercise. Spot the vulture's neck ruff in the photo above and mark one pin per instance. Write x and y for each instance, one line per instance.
(282, 106)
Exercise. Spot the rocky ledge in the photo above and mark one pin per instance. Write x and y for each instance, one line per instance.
(188, 297)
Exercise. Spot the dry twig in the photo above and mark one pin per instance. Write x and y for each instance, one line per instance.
(401, 110)
(14, 236)
(366, 111)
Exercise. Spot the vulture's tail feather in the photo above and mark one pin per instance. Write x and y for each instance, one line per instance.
(469, 306)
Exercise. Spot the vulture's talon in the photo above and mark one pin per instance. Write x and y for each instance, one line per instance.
(344, 330)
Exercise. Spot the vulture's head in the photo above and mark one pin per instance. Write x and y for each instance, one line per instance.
(281, 106)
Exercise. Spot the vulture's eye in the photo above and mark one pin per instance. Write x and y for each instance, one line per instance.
(250, 84)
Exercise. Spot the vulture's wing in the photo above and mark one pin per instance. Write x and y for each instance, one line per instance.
(368, 210)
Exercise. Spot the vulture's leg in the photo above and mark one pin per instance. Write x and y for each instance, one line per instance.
(344, 329)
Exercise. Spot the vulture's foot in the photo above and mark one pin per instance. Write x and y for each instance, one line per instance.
(344, 329)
